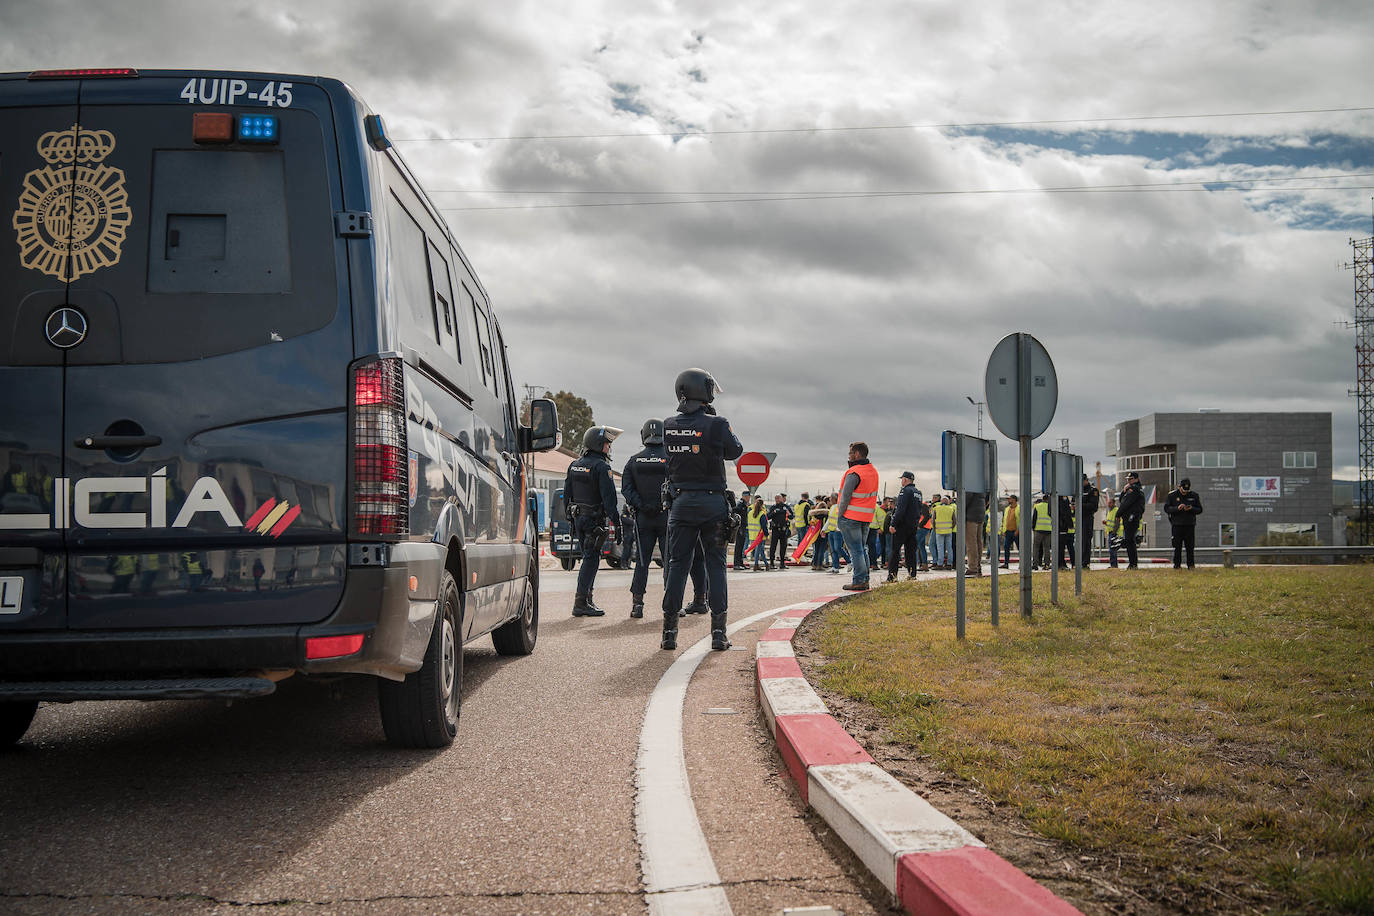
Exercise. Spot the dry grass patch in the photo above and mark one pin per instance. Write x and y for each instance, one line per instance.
(1214, 728)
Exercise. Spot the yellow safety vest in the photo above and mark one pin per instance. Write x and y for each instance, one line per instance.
(1042, 517)
(1113, 523)
(879, 518)
(802, 514)
(755, 520)
(944, 518)
(1011, 518)
(124, 565)
(832, 521)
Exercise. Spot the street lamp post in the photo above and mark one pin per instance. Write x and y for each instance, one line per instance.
(979, 405)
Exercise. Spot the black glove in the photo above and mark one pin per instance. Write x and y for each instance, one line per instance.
(619, 533)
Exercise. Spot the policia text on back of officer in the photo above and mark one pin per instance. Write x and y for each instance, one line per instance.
(698, 443)
(589, 493)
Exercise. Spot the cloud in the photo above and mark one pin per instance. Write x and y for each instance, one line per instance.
(866, 317)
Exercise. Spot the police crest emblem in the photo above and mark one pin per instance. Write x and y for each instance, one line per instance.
(74, 214)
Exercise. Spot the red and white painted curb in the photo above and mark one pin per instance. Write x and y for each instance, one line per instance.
(926, 860)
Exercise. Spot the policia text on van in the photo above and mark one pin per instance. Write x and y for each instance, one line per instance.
(259, 419)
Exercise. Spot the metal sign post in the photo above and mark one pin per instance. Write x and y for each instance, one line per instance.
(1022, 392)
(967, 463)
(1061, 472)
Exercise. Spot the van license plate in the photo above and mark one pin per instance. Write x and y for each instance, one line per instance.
(11, 594)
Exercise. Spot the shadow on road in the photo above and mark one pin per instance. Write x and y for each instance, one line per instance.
(197, 796)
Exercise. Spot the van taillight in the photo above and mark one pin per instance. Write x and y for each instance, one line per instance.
(381, 483)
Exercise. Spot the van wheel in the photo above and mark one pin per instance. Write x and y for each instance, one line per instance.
(15, 719)
(569, 563)
(519, 636)
(422, 710)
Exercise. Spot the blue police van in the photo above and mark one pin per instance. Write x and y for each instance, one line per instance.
(259, 419)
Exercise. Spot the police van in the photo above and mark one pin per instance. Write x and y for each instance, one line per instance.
(258, 419)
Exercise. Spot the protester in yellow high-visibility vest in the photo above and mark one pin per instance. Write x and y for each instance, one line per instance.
(943, 517)
(834, 541)
(757, 526)
(876, 528)
(1042, 522)
(1112, 525)
(1011, 521)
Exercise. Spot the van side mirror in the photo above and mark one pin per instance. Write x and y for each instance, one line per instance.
(542, 433)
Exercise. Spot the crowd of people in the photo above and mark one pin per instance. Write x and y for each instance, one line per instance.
(908, 531)
(675, 490)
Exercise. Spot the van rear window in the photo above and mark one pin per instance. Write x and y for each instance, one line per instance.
(218, 223)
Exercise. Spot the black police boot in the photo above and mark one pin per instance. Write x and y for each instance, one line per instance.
(698, 606)
(719, 642)
(636, 606)
(580, 606)
(592, 610)
(669, 630)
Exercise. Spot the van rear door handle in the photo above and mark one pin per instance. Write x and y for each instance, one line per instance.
(101, 443)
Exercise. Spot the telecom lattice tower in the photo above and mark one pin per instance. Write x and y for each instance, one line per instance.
(1363, 265)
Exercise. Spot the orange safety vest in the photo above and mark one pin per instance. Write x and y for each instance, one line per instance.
(865, 499)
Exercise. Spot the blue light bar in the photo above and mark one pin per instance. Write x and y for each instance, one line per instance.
(258, 129)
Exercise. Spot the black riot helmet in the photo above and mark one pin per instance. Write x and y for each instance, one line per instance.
(599, 438)
(651, 433)
(696, 385)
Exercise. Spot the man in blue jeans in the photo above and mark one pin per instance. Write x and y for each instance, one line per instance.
(857, 507)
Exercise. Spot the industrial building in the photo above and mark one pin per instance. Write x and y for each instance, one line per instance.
(1257, 473)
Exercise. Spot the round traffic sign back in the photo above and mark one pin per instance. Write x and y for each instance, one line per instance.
(753, 468)
(1021, 387)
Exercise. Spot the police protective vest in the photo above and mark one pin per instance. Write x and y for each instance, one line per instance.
(865, 497)
(695, 443)
(1042, 517)
(944, 518)
(583, 483)
(642, 480)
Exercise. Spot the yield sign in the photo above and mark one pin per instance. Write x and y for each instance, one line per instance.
(753, 468)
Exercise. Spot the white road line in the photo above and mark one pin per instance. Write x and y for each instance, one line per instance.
(679, 874)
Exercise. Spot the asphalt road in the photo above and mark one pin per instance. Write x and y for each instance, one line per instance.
(295, 802)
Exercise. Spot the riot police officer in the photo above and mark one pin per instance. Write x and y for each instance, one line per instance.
(642, 484)
(589, 492)
(698, 443)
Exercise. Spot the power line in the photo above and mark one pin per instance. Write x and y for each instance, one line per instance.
(1086, 189)
(879, 127)
(1137, 185)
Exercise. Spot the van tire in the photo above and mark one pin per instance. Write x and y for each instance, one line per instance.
(423, 710)
(15, 718)
(519, 635)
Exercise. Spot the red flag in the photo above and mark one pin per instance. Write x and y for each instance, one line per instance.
(754, 543)
(806, 541)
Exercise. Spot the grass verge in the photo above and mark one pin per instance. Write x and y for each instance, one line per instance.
(1215, 728)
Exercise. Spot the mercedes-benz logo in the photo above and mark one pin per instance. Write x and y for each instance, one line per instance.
(65, 327)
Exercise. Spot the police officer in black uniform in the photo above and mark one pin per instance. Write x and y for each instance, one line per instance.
(698, 444)
(642, 484)
(589, 493)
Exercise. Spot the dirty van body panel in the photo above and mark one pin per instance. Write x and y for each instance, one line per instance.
(212, 371)
(35, 200)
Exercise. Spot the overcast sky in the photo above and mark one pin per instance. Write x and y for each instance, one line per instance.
(919, 171)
